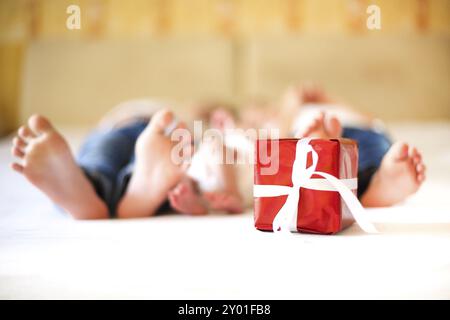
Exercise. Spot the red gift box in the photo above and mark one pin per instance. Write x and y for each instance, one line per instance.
(319, 209)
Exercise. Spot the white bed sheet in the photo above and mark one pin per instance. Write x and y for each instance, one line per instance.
(44, 254)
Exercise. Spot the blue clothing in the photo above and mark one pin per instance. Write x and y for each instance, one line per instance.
(107, 159)
(372, 146)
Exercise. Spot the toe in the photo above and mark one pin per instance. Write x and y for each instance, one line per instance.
(414, 154)
(399, 151)
(421, 177)
(320, 117)
(17, 167)
(20, 143)
(161, 120)
(16, 152)
(25, 133)
(184, 132)
(333, 127)
(39, 124)
(420, 167)
(181, 125)
(315, 125)
(420, 171)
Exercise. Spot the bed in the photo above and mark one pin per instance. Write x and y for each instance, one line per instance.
(45, 254)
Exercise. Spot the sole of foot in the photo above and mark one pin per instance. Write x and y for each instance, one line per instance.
(45, 160)
(400, 175)
(155, 171)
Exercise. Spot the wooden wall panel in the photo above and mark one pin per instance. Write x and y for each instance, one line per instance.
(22, 21)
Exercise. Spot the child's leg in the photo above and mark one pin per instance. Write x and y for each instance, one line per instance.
(104, 156)
(46, 161)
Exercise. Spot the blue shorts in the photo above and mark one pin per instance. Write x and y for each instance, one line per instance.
(372, 146)
(107, 158)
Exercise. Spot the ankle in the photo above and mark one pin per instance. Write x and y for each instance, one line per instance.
(94, 211)
(137, 203)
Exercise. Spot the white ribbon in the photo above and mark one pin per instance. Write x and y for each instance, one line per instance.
(286, 219)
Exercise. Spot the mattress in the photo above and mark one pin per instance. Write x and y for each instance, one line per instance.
(45, 254)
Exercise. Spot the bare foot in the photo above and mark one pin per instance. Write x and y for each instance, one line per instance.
(46, 161)
(185, 199)
(225, 201)
(321, 126)
(401, 173)
(155, 173)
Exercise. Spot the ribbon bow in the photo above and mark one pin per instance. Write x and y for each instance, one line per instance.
(286, 219)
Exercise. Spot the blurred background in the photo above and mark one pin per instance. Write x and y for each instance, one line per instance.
(232, 50)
